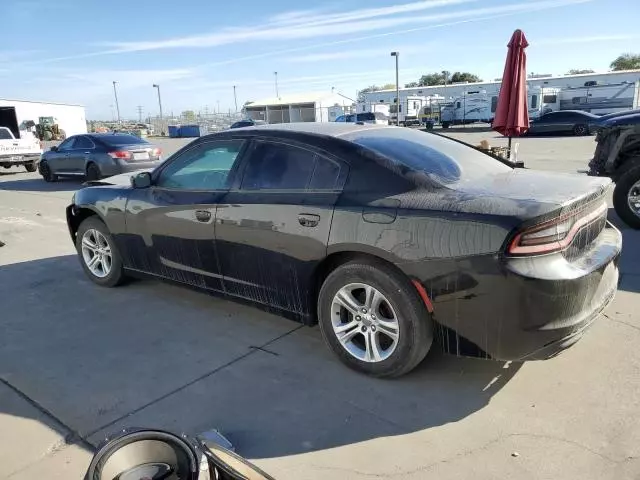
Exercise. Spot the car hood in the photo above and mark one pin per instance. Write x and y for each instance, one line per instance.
(520, 193)
(120, 180)
(633, 119)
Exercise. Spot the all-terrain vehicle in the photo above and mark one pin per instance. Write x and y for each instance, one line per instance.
(617, 156)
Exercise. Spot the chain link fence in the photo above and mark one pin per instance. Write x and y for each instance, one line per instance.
(208, 123)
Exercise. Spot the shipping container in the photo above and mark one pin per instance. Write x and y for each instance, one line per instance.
(174, 131)
(189, 131)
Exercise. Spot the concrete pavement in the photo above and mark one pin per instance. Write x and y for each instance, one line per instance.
(78, 362)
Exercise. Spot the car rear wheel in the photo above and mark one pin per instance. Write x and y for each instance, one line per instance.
(98, 254)
(93, 172)
(30, 167)
(373, 319)
(626, 197)
(45, 171)
(580, 130)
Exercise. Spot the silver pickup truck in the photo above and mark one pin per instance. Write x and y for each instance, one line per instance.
(25, 150)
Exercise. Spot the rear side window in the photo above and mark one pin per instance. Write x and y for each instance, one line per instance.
(83, 142)
(115, 140)
(5, 134)
(279, 166)
(445, 160)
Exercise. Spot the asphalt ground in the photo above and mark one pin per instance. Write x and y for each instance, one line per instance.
(78, 362)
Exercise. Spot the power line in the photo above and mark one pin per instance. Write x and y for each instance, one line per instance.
(139, 107)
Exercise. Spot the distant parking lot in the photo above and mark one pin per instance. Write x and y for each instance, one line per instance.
(78, 362)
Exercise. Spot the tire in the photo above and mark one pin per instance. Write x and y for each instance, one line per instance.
(93, 173)
(91, 233)
(628, 180)
(580, 130)
(446, 125)
(46, 172)
(31, 166)
(414, 326)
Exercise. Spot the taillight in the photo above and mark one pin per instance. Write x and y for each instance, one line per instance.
(122, 154)
(156, 152)
(552, 236)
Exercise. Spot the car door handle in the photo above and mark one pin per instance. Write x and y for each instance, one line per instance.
(203, 215)
(308, 219)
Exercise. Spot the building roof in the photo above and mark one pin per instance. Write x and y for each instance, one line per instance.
(12, 100)
(295, 98)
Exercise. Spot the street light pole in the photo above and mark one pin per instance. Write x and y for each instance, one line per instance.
(276, 75)
(157, 87)
(397, 54)
(235, 98)
(115, 94)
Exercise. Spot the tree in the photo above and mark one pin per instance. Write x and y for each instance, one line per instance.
(411, 85)
(575, 71)
(444, 77)
(388, 86)
(189, 115)
(465, 77)
(627, 61)
(370, 88)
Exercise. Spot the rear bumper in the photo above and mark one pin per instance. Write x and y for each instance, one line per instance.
(526, 308)
(127, 167)
(19, 159)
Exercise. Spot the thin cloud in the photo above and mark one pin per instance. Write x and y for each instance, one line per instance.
(589, 39)
(361, 53)
(321, 25)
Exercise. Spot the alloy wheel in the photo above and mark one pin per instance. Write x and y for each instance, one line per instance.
(364, 322)
(96, 253)
(633, 198)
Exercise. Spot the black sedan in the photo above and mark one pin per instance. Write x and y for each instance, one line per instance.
(389, 238)
(97, 155)
(570, 122)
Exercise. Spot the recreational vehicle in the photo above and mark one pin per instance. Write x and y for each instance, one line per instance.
(601, 99)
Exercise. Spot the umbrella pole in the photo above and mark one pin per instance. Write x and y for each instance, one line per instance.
(509, 150)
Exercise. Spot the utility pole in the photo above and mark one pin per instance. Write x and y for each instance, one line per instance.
(218, 105)
(156, 86)
(397, 55)
(139, 107)
(276, 75)
(115, 94)
(235, 98)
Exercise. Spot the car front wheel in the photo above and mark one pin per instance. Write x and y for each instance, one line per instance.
(373, 319)
(626, 197)
(98, 254)
(46, 172)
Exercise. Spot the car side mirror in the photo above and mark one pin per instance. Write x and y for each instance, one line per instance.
(141, 180)
(54, 148)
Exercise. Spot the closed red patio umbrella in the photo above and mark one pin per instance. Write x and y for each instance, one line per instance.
(512, 115)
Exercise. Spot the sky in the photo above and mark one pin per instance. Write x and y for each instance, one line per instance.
(71, 51)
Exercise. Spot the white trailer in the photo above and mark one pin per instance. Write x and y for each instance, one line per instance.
(481, 106)
(601, 98)
(70, 118)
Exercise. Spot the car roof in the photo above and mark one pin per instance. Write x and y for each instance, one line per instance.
(331, 129)
(579, 112)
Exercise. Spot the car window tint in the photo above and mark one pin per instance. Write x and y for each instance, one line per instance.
(203, 167)
(325, 176)
(67, 144)
(83, 142)
(275, 166)
(444, 160)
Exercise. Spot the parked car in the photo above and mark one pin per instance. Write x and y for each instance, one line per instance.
(574, 122)
(97, 155)
(374, 118)
(389, 238)
(617, 156)
(249, 122)
(22, 150)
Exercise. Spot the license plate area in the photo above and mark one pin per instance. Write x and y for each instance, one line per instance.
(137, 156)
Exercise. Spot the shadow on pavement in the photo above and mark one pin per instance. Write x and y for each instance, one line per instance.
(39, 185)
(151, 354)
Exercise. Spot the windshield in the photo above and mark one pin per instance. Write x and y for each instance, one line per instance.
(445, 160)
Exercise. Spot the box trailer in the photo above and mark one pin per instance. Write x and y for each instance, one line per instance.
(70, 118)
